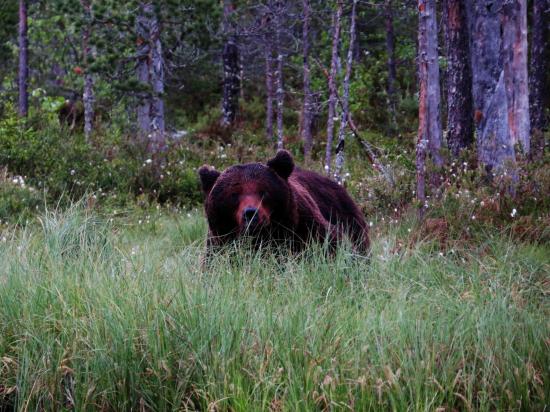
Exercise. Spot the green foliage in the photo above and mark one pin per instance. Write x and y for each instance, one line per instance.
(18, 203)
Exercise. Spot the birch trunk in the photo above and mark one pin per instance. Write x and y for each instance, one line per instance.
(392, 74)
(280, 86)
(231, 78)
(460, 126)
(88, 98)
(514, 21)
(143, 62)
(539, 67)
(269, 86)
(157, 141)
(494, 145)
(23, 60)
(339, 164)
(429, 122)
(336, 21)
(307, 112)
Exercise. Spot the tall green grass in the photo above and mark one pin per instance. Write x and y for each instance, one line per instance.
(108, 316)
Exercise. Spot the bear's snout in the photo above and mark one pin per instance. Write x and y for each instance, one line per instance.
(251, 214)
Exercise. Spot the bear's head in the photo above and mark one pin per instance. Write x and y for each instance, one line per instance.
(251, 198)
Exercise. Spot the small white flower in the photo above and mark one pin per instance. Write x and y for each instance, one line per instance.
(148, 161)
(73, 172)
(514, 212)
(473, 217)
(371, 223)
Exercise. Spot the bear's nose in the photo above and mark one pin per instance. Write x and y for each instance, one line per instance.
(250, 215)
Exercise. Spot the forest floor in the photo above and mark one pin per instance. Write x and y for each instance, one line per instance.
(101, 314)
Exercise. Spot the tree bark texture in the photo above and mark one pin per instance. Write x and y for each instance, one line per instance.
(157, 142)
(231, 70)
(332, 88)
(279, 74)
(23, 74)
(494, 145)
(539, 68)
(514, 23)
(460, 121)
(392, 73)
(143, 61)
(339, 163)
(88, 98)
(269, 86)
(307, 109)
(429, 121)
(428, 61)
(151, 74)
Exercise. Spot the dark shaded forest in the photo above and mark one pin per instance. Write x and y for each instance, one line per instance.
(135, 82)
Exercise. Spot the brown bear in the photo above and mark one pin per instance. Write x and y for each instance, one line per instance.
(279, 202)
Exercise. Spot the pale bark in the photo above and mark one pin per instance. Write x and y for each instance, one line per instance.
(150, 71)
(307, 109)
(494, 145)
(280, 86)
(231, 74)
(392, 73)
(23, 60)
(339, 163)
(269, 86)
(88, 97)
(514, 21)
(429, 122)
(336, 21)
(460, 125)
(157, 141)
(539, 67)
(142, 69)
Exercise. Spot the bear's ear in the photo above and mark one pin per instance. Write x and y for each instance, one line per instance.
(282, 164)
(208, 177)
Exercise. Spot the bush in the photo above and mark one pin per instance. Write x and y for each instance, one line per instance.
(17, 201)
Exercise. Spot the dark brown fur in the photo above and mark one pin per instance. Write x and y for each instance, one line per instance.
(291, 204)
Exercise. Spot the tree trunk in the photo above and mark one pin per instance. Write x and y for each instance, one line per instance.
(23, 60)
(460, 125)
(429, 122)
(307, 112)
(392, 76)
(143, 75)
(339, 164)
(88, 98)
(280, 86)
(231, 80)
(157, 142)
(494, 145)
(514, 21)
(269, 86)
(336, 21)
(539, 68)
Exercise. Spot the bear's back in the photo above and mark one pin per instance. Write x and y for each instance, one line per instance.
(333, 201)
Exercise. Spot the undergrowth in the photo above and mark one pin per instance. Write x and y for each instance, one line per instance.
(121, 315)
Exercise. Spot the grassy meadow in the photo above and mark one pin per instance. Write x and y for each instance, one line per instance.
(120, 315)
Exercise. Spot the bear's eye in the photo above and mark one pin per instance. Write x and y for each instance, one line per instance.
(234, 196)
(263, 194)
